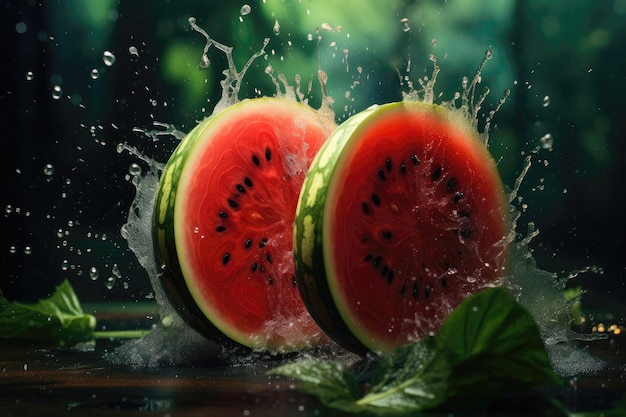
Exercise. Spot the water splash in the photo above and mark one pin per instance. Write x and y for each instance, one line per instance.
(231, 84)
(541, 292)
(169, 130)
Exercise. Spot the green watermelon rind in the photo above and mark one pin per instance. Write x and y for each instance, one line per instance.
(308, 235)
(314, 259)
(171, 275)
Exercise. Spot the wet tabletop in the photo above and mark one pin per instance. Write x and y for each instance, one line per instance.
(45, 381)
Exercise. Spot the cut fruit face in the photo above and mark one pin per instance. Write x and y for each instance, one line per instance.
(224, 216)
(413, 219)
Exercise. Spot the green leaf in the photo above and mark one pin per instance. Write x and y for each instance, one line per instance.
(329, 381)
(494, 345)
(488, 346)
(412, 378)
(58, 319)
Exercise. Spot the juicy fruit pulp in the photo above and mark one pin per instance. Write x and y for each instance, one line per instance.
(402, 216)
(223, 223)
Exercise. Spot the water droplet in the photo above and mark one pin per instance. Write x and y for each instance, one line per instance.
(546, 101)
(309, 37)
(489, 53)
(93, 273)
(433, 42)
(60, 233)
(8, 209)
(28, 250)
(30, 76)
(205, 62)
(245, 9)
(134, 169)
(276, 27)
(57, 92)
(48, 170)
(109, 283)
(20, 27)
(133, 51)
(325, 26)
(116, 271)
(65, 265)
(405, 24)
(547, 141)
(95, 74)
(192, 20)
(108, 58)
(12, 249)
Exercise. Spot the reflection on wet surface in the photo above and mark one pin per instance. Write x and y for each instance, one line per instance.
(37, 381)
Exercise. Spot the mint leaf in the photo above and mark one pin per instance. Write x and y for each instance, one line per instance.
(329, 381)
(412, 378)
(58, 319)
(494, 345)
(488, 346)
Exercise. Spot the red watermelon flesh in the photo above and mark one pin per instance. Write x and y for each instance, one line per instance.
(232, 221)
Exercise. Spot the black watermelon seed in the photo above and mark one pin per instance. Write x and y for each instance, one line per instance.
(458, 196)
(254, 266)
(226, 258)
(248, 243)
(376, 199)
(220, 229)
(415, 160)
(403, 167)
(255, 160)
(222, 214)
(294, 281)
(240, 188)
(381, 174)
(388, 164)
(365, 207)
(377, 260)
(444, 282)
(466, 232)
(368, 258)
(451, 184)
(270, 280)
(389, 277)
(387, 234)
(247, 181)
(464, 213)
(384, 271)
(268, 154)
(416, 290)
(263, 242)
(436, 174)
(232, 203)
(403, 289)
(268, 258)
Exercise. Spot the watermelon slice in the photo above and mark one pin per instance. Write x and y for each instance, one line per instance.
(223, 221)
(402, 215)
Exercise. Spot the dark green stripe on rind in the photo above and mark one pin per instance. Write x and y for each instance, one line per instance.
(165, 243)
(307, 237)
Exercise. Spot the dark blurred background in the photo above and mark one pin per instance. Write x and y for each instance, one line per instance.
(66, 190)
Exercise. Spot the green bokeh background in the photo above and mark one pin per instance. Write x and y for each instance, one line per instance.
(570, 52)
